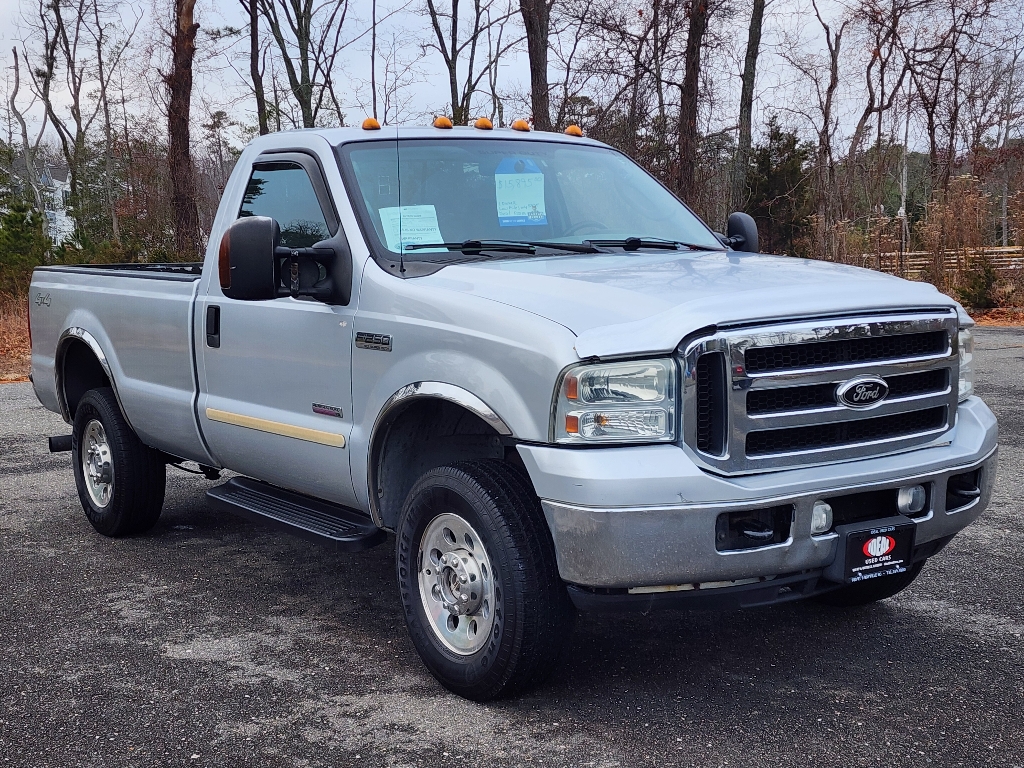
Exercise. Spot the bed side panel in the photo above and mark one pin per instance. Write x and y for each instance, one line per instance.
(144, 328)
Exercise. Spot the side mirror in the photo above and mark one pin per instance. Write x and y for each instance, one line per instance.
(742, 232)
(248, 266)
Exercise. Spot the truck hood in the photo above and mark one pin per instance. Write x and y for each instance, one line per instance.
(625, 304)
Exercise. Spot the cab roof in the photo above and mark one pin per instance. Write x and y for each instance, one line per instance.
(339, 136)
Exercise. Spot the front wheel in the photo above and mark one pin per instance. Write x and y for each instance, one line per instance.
(484, 604)
(872, 590)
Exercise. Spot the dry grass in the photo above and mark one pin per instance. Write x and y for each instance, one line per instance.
(15, 353)
(1004, 316)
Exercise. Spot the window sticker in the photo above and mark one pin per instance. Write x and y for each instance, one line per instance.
(407, 225)
(519, 190)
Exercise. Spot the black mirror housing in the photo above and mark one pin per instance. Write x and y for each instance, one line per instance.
(248, 266)
(742, 232)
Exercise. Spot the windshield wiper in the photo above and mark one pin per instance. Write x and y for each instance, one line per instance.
(636, 243)
(474, 247)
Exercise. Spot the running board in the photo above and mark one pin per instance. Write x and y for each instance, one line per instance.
(345, 529)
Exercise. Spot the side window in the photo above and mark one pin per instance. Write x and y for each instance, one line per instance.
(284, 192)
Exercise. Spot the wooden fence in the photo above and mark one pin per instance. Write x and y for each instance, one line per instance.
(1007, 261)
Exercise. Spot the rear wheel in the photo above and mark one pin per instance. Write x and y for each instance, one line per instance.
(485, 607)
(873, 590)
(120, 481)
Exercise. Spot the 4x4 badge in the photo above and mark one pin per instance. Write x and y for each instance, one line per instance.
(863, 392)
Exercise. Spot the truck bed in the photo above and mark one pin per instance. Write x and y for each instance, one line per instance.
(141, 317)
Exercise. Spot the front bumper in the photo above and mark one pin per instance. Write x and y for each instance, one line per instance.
(665, 537)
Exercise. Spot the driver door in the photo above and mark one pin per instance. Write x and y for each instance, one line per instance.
(276, 396)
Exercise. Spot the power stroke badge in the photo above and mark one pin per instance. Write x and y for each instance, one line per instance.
(863, 392)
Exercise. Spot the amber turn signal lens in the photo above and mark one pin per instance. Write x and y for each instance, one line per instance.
(224, 262)
(483, 124)
(574, 130)
(572, 388)
(572, 425)
(442, 122)
(520, 125)
(370, 124)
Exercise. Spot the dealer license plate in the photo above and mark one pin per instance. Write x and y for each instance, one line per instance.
(880, 551)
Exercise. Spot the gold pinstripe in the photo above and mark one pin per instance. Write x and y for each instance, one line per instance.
(277, 428)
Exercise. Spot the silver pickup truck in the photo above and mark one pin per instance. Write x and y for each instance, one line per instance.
(526, 358)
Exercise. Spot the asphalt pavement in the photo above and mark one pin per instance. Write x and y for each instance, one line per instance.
(213, 641)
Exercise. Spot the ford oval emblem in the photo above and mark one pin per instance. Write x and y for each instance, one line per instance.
(863, 392)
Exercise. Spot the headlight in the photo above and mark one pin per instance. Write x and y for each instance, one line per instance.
(965, 343)
(617, 403)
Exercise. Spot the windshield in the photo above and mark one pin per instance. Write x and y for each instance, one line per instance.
(433, 191)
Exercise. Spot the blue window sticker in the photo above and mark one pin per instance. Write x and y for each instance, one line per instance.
(519, 190)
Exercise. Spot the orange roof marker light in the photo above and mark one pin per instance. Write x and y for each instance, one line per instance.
(574, 130)
(442, 122)
(520, 125)
(371, 124)
(483, 124)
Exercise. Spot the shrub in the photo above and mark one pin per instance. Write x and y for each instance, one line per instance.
(978, 284)
(23, 246)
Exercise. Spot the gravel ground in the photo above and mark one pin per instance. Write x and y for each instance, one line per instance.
(212, 641)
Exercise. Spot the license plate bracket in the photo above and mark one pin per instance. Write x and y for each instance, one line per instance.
(873, 549)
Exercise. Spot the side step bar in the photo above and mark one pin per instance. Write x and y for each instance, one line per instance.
(345, 529)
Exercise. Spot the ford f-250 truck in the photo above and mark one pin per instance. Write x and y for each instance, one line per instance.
(525, 357)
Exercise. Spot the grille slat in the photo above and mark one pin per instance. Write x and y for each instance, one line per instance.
(762, 401)
(819, 436)
(820, 354)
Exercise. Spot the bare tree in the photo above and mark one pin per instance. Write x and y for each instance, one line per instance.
(822, 73)
(104, 66)
(179, 152)
(460, 40)
(309, 42)
(255, 69)
(688, 92)
(537, 21)
(60, 28)
(29, 148)
(744, 137)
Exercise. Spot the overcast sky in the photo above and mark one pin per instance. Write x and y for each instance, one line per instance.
(221, 78)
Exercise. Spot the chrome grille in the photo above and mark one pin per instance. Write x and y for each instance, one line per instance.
(775, 404)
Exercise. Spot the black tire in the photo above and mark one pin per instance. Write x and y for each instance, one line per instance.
(533, 615)
(136, 491)
(853, 595)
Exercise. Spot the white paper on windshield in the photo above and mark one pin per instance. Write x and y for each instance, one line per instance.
(519, 190)
(407, 225)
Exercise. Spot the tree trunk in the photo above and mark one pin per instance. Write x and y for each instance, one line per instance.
(108, 141)
(28, 149)
(688, 99)
(536, 19)
(254, 65)
(739, 171)
(179, 154)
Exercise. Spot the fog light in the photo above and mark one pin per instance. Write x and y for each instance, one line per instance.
(911, 500)
(821, 516)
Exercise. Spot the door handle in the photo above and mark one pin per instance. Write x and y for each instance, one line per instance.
(213, 327)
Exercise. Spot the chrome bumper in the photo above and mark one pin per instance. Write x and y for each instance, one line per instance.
(660, 544)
